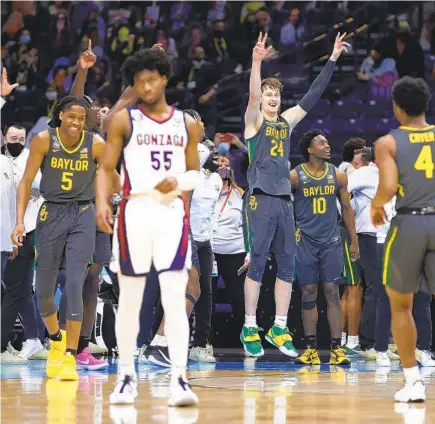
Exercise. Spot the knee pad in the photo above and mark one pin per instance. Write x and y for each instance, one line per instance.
(257, 266)
(45, 284)
(309, 306)
(286, 268)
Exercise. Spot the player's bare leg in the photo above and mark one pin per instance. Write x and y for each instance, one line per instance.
(405, 335)
(131, 291)
(353, 318)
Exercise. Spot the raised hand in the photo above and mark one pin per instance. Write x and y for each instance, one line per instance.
(339, 46)
(87, 59)
(157, 47)
(7, 88)
(260, 51)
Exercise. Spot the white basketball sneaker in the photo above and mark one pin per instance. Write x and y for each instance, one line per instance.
(180, 394)
(411, 393)
(125, 390)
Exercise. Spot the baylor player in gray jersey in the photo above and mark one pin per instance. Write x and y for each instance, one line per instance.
(405, 158)
(268, 211)
(317, 185)
(66, 223)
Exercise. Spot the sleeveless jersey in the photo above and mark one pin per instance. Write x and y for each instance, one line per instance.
(415, 158)
(154, 151)
(269, 152)
(316, 214)
(68, 175)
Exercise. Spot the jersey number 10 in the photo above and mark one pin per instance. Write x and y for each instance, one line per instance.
(424, 161)
(319, 205)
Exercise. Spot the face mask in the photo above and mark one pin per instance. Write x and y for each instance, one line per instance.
(197, 62)
(51, 95)
(218, 33)
(14, 149)
(223, 148)
(25, 39)
(224, 173)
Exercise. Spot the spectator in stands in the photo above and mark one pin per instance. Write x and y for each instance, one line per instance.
(427, 37)
(404, 48)
(217, 12)
(228, 242)
(122, 46)
(29, 75)
(194, 39)
(293, 31)
(200, 78)
(61, 36)
(249, 9)
(220, 49)
(266, 25)
(179, 15)
(94, 21)
(167, 43)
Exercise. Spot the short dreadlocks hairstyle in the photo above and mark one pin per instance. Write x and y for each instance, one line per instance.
(65, 104)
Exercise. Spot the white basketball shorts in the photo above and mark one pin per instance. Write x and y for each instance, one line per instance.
(147, 232)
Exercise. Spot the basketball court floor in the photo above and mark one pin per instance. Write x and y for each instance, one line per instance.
(234, 390)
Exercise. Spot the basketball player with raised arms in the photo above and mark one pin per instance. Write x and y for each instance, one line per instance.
(159, 162)
(269, 223)
(405, 158)
(67, 156)
(316, 186)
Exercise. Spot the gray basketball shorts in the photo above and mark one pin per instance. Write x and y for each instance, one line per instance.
(409, 253)
(64, 229)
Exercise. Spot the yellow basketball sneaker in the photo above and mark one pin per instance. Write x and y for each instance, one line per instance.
(68, 369)
(281, 338)
(338, 357)
(309, 357)
(55, 356)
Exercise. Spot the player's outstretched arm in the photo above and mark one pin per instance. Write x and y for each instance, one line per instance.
(86, 61)
(252, 114)
(295, 114)
(385, 153)
(38, 150)
(347, 214)
(119, 129)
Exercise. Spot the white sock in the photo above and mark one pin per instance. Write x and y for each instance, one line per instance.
(159, 341)
(411, 375)
(353, 341)
(343, 338)
(131, 291)
(173, 289)
(251, 320)
(281, 321)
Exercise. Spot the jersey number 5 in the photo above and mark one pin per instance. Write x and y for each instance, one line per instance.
(424, 161)
(67, 181)
(319, 205)
(157, 157)
(277, 148)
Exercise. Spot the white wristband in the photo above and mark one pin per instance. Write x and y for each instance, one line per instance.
(188, 181)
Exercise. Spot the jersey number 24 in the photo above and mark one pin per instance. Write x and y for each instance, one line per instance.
(424, 161)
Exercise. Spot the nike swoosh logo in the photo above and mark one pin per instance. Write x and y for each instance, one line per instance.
(83, 209)
(85, 362)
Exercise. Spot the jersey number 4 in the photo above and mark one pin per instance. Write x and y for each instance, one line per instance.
(159, 158)
(424, 162)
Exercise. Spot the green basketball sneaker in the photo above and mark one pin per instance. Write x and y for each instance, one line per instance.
(281, 338)
(352, 351)
(251, 341)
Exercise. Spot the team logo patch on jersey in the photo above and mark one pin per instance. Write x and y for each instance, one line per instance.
(136, 115)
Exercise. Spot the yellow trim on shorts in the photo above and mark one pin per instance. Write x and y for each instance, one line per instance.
(82, 138)
(312, 176)
(387, 255)
(349, 262)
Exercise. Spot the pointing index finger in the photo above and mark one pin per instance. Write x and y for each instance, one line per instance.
(89, 44)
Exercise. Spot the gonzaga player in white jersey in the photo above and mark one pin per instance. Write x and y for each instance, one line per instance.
(159, 162)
